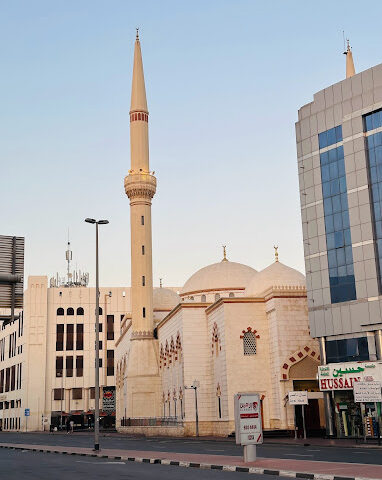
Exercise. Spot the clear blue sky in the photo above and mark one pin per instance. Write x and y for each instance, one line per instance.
(224, 82)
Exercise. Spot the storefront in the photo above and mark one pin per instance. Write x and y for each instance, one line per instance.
(351, 419)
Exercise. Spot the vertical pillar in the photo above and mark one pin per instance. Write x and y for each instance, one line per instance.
(329, 420)
(378, 343)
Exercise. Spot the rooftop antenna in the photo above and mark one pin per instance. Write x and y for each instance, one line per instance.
(69, 257)
(343, 36)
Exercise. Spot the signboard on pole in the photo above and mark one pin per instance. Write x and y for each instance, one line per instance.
(365, 392)
(108, 400)
(248, 427)
(298, 398)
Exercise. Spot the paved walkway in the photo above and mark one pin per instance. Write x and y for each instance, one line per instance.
(282, 467)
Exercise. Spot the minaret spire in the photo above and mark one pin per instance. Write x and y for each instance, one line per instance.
(350, 70)
(140, 185)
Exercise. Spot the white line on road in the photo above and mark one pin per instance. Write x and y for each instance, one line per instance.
(101, 463)
(297, 455)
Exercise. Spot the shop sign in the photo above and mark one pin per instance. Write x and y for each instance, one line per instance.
(248, 426)
(367, 392)
(108, 400)
(343, 376)
(298, 398)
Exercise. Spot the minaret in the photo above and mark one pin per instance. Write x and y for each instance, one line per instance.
(140, 186)
(350, 70)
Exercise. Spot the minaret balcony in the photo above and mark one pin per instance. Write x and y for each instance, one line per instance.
(140, 184)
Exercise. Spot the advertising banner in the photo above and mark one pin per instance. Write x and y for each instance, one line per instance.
(343, 376)
(108, 399)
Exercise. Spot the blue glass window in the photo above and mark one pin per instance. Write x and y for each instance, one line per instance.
(337, 225)
(347, 350)
(373, 120)
(334, 135)
(374, 163)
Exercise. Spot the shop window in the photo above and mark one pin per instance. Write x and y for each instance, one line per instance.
(60, 312)
(60, 337)
(70, 311)
(58, 394)
(77, 393)
(80, 311)
(249, 343)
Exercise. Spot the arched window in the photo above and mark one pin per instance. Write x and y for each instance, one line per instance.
(80, 311)
(178, 347)
(161, 357)
(217, 296)
(100, 310)
(231, 294)
(60, 311)
(70, 311)
(249, 343)
(167, 355)
(203, 298)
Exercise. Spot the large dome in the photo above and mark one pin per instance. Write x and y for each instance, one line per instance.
(165, 299)
(276, 275)
(223, 275)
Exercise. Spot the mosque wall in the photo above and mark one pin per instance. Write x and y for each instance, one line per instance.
(170, 338)
(247, 372)
(218, 364)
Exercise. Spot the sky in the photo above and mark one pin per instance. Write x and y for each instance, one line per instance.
(224, 82)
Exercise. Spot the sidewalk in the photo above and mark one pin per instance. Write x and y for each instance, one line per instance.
(275, 466)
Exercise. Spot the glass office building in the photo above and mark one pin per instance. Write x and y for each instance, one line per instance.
(339, 150)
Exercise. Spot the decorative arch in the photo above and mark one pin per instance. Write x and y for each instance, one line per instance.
(162, 358)
(215, 340)
(178, 347)
(172, 350)
(296, 357)
(167, 355)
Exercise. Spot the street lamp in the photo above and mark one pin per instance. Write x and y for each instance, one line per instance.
(96, 387)
(195, 386)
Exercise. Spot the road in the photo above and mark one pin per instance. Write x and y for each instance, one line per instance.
(192, 445)
(27, 465)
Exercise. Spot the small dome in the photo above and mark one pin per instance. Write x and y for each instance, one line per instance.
(223, 275)
(276, 275)
(165, 299)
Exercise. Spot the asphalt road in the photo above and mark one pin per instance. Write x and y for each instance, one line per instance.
(192, 445)
(26, 465)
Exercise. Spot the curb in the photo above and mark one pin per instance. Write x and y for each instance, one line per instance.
(203, 466)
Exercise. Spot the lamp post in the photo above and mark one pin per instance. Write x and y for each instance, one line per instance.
(195, 386)
(96, 387)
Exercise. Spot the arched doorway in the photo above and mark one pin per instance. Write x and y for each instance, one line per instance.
(304, 377)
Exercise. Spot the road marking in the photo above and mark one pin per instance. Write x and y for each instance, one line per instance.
(214, 450)
(297, 455)
(310, 450)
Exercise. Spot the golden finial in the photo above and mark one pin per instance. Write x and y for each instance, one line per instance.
(160, 283)
(224, 253)
(137, 36)
(276, 253)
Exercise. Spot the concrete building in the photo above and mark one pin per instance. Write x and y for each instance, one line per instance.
(230, 329)
(339, 150)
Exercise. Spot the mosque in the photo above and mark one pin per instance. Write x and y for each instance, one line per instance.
(181, 356)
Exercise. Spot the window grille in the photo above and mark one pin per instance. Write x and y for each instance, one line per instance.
(249, 343)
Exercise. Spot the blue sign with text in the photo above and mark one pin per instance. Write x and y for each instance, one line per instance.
(27, 412)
